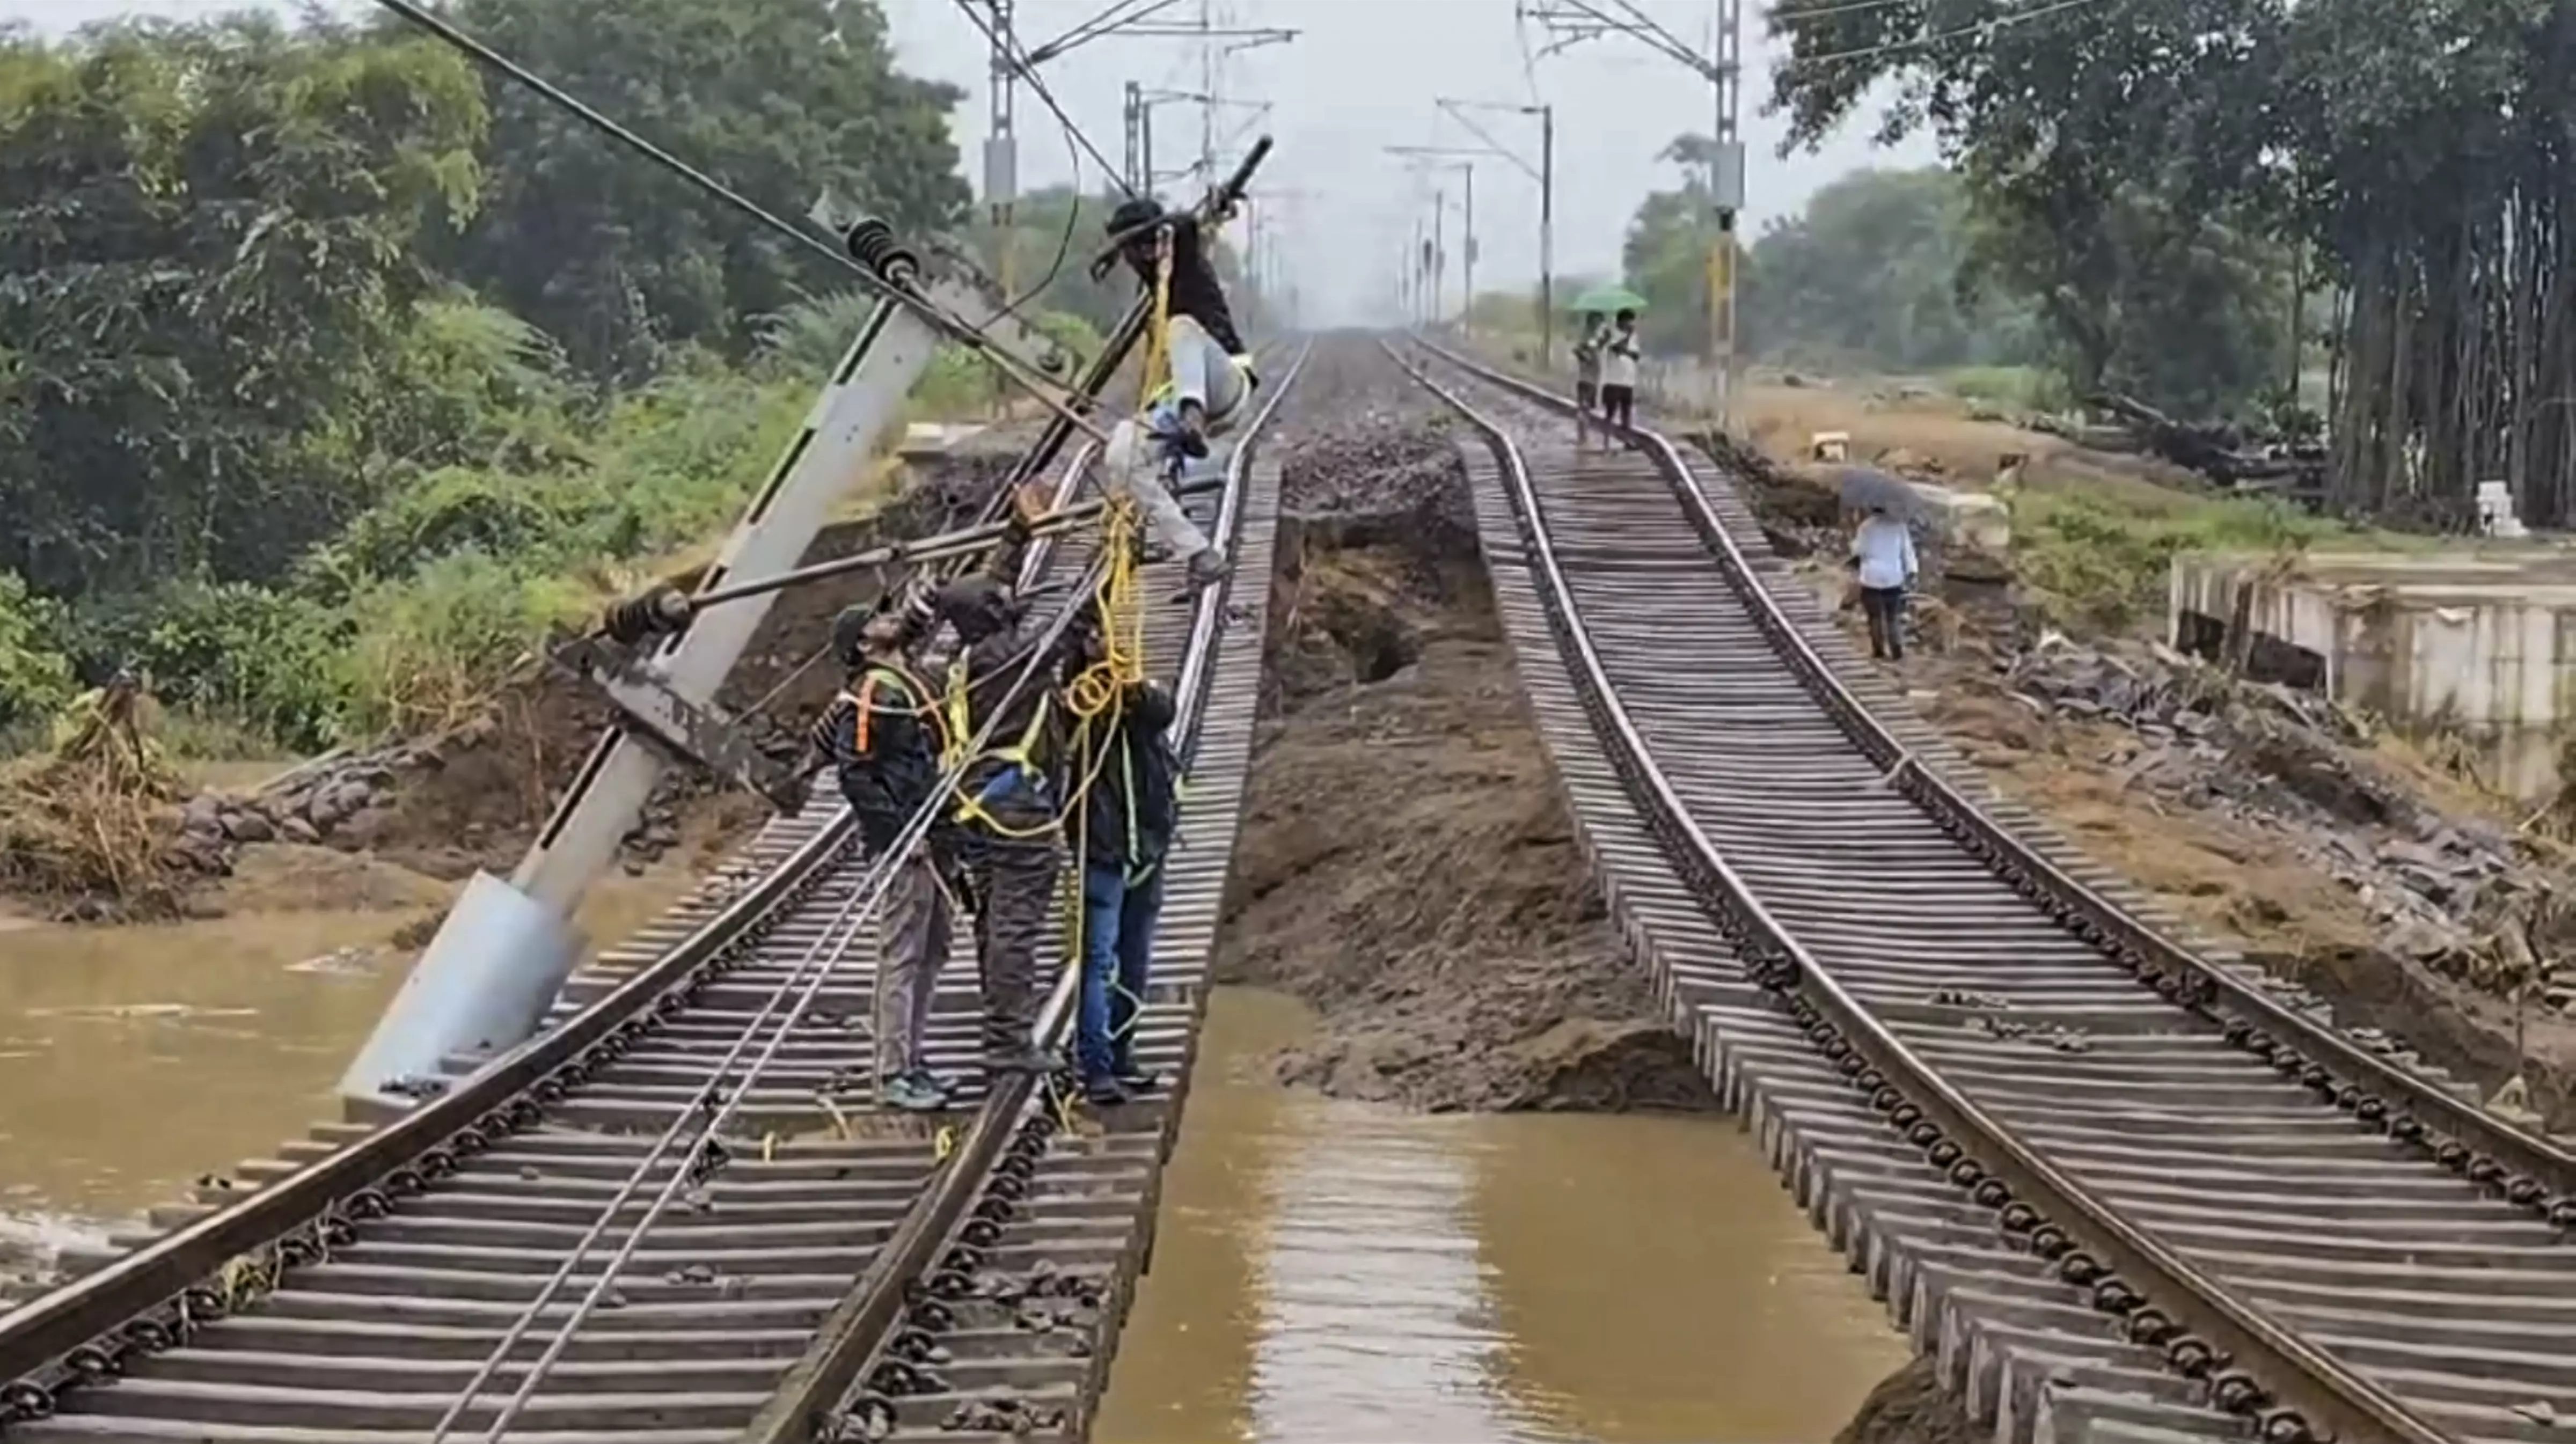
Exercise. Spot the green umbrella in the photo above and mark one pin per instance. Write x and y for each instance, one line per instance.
(1609, 298)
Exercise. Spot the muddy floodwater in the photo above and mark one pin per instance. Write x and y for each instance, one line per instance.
(133, 1059)
(1330, 1272)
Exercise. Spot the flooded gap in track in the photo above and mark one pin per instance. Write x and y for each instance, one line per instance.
(1429, 1217)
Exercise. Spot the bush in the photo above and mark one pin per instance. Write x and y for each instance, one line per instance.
(2099, 564)
(431, 649)
(263, 659)
(35, 676)
(2015, 388)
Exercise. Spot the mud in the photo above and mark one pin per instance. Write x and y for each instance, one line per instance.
(1909, 1407)
(1406, 866)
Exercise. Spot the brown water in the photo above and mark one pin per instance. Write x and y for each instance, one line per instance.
(134, 1059)
(1327, 1272)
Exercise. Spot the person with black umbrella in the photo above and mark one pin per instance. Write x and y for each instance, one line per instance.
(1882, 554)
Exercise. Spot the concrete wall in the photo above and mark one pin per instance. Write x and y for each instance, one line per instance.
(2482, 643)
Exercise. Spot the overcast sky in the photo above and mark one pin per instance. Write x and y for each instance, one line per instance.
(1361, 75)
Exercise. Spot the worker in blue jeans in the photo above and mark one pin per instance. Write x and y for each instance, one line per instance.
(1130, 805)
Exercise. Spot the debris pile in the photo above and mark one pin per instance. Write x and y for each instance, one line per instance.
(2459, 895)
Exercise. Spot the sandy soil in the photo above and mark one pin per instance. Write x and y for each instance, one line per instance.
(1935, 430)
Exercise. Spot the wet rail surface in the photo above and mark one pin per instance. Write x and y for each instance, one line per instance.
(2121, 1188)
(522, 1245)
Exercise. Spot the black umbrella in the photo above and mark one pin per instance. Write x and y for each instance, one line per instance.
(1866, 488)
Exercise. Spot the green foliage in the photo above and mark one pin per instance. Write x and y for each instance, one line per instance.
(2101, 562)
(782, 99)
(206, 243)
(430, 648)
(1869, 275)
(35, 676)
(263, 659)
(332, 377)
(2023, 389)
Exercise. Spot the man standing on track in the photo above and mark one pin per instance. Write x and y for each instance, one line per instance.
(1587, 378)
(1619, 375)
(882, 736)
(1129, 809)
(1003, 685)
(1883, 555)
(1211, 377)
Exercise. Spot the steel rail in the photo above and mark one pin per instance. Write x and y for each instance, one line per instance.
(2323, 1397)
(852, 1339)
(2500, 1157)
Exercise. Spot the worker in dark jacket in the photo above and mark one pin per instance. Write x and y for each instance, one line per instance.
(883, 737)
(1211, 376)
(1010, 791)
(1130, 805)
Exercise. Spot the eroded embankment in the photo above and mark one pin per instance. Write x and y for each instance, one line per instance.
(1407, 866)
(473, 797)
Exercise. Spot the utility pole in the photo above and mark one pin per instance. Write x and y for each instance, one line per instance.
(1117, 20)
(1545, 175)
(1440, 158)
(1576, 21)
(1002, 145)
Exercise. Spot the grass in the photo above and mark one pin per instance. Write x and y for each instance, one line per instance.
(2011, 388)
(2099, 560)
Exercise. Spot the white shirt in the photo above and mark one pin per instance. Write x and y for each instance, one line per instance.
(1619, 361)
(1885, 548)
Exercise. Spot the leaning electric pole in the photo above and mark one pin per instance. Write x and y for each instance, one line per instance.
(1575, 21)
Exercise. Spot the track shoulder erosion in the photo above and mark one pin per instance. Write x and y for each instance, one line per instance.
(519, 1257)
(2119, 1191)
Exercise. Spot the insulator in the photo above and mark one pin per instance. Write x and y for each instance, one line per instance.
(658, 613)
(872, 244)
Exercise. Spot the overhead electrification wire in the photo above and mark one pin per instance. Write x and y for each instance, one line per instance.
(1982, 27)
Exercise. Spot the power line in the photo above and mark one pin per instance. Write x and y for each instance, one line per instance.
(1983, 27)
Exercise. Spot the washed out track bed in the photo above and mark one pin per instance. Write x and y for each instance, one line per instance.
(2118, 1184)
(819, 1265)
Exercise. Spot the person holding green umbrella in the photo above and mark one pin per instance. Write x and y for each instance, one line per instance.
(1618, 351)
(1619, 357)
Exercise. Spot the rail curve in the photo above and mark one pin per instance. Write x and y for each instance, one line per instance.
(632, 1228)
(2120, 1190)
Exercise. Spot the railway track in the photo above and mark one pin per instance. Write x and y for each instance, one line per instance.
(2123, 1189)
(675, 1217)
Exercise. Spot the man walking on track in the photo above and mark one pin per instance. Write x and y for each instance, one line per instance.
(1883, 555)
(1587, 378)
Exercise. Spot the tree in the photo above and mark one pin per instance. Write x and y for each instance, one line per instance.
(1871, 273)
(2113, 171)
(206, 241)
(783, 100)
